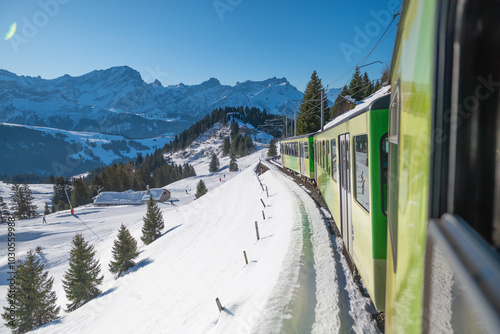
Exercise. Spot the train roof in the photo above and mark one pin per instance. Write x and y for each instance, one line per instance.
(362, 107)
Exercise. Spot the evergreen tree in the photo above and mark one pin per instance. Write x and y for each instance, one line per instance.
(32, 297)
(59, 196)
(29, 207)
(272, 148)
(214, 164)
(80, 195)
(233, 165)
(309, 119)
(356, 89)
(16, 201)
(46, 210)
(235, 129)
(153, 222)
(226, 147)
(201, 189)
(83, 277)
(22, 202)
(4, 211)
(124, 252)
(368, 86)
(377, 86)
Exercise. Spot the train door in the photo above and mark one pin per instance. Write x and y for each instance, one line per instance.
(301, 157)
(345, 191)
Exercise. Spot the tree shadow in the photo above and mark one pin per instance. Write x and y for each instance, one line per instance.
(139, 265)
(171, 229)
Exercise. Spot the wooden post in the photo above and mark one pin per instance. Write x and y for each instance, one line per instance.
(257, 230)
(261, 185)
(263, 215)
(267, 192)
(263, 202)
(219, 306)
(245, 254)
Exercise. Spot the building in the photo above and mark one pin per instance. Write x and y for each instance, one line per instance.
(130, 197)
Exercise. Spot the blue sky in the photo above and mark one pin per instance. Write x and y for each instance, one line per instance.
(190, 41)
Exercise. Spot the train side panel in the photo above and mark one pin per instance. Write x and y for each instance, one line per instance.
(409, 143)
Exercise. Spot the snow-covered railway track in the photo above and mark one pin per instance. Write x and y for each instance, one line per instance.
(315, 292)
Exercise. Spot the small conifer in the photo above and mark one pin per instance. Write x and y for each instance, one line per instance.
(201, 189)
(153, 223)
(31, 297)
(124, 252)
(83, 276)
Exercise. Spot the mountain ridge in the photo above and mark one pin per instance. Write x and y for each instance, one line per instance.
(118, 101)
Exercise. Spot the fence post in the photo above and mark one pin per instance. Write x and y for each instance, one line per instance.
(263, 202)
(263, 215)
(267, 192)
(245, 254)
(219, 306)
(257, 230)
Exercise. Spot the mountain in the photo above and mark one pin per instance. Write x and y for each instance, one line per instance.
(36, 150)
(118, 101)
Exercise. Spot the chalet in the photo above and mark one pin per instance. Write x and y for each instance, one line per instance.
(130, 197)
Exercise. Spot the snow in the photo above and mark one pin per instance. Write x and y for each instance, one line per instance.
(361, 105)
(296, 278)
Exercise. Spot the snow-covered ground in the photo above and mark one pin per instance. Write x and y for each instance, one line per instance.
(295, 282)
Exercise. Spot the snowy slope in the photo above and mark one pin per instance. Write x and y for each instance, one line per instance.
(200, 257)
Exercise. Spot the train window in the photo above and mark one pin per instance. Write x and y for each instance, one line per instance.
(306, 151)
(384, 164)
(361, 171)
(334, 159)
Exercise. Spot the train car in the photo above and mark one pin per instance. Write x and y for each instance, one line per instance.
(443, 267)
(297, 154)
(351, 173)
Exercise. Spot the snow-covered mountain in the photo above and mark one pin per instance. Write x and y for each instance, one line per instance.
(118, 101)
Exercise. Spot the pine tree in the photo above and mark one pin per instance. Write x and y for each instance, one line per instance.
(233, 165)
(16, 201)
(124, 252)
(4, 211)
(22, 202)
(60, 186)
(201, 189)
(32, 297)
(46, 210)
(83, 277)
(214, 164)
(272, 148)
(29, 207)
(153, 223)
(356, 89)
(80, 195)
(226, 147)
(309, 119)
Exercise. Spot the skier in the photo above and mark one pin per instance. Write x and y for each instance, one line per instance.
(44, 221)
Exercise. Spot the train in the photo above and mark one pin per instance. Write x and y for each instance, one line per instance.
(412, 176)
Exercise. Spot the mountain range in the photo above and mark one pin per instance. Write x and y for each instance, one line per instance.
(118, 101)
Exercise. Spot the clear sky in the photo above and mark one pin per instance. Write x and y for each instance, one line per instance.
(190, 41)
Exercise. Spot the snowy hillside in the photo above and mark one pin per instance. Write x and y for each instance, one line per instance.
(296, 281)
(118, 101)
(43, 150)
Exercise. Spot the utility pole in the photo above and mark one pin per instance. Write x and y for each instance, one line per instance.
(295, 123)
(286, 126)
(322, 110)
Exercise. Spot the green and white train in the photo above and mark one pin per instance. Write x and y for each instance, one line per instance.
(413, 179)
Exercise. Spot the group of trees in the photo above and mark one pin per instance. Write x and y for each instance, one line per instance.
(253, 116)
(360, 86)
(22, 204)
(32, 301)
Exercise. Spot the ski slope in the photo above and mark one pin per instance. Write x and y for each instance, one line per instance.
(295, 282)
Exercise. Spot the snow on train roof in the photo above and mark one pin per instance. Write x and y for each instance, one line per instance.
(361, 105)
